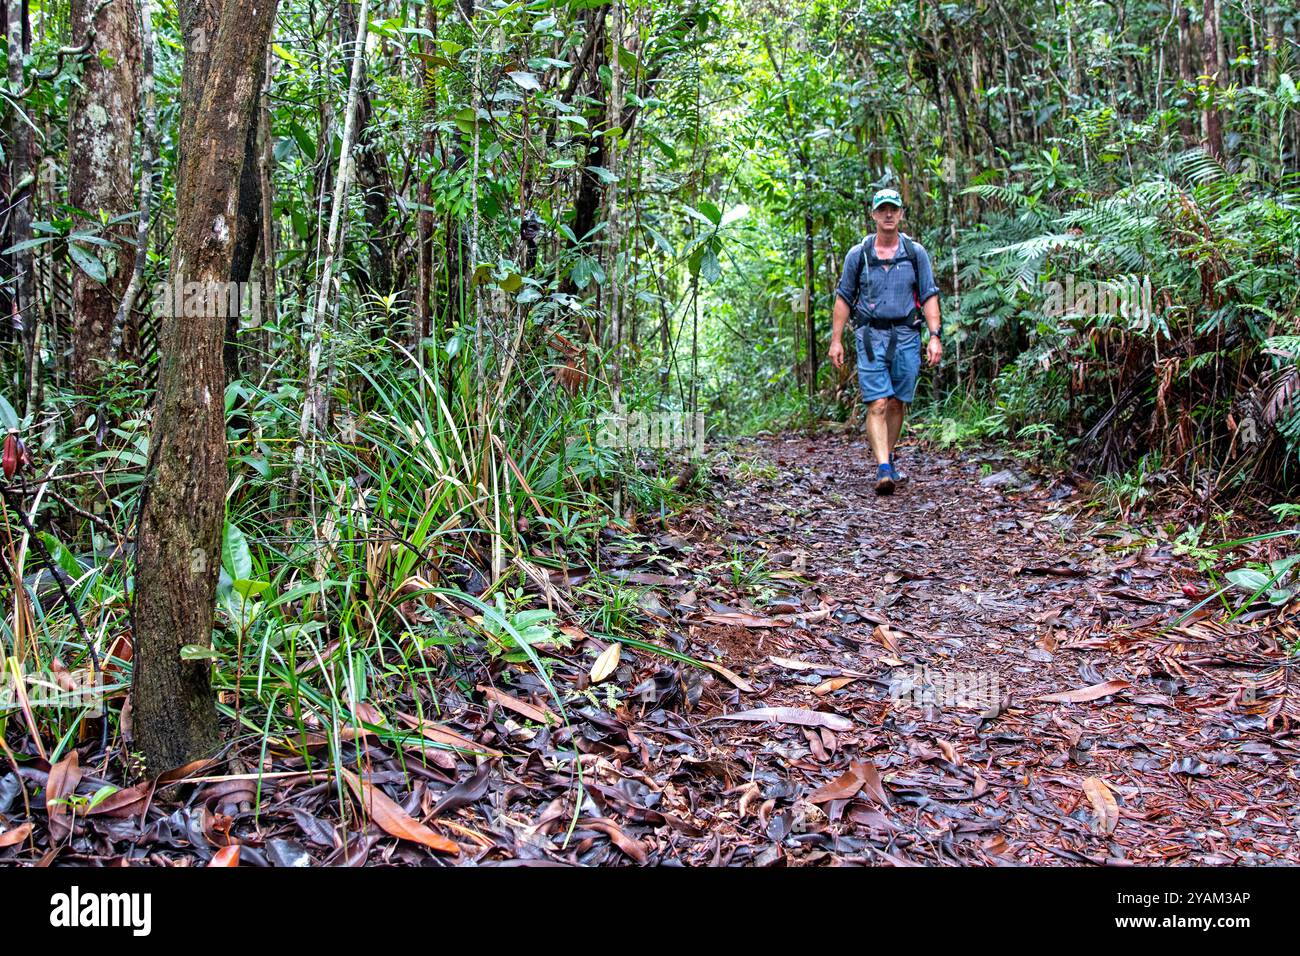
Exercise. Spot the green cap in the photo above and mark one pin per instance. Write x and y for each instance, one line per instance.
(886, 197)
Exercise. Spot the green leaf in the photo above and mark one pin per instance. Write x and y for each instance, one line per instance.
(235, 556)
(1249, 580)
(250, 589)
(93, 239)
(304, 140)
(585, 270)
(709, 215)
(258, 463)
(734, 214)
(523, 78)
(285, 54)
(464, 120)
(27, 244)
(8, 417)
(100, 795)
(88, 262)
(196, 652)
(661, 240)
(62, 556)
(710, 267)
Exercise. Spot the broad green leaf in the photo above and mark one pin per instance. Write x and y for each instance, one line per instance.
(710, 267)
(250, 589)
(235, 556)
(1248, 579)
(27, 244)
(523, 78)
(734, 214)
(8, 417)
(88, 262)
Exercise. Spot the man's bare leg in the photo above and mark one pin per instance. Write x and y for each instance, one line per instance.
(894, 413)
(879, 430)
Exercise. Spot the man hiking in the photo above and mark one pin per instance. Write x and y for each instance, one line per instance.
(887, 286)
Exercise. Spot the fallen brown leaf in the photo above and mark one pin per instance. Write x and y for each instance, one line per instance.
(744, 620)
(539, 714)
(1103, 802)
(735, 679)
(792, 715)
(444, 736)
(832, 685)
(15, 836)
(1084, 694)
(606, 662)
(393, 820)
(861, 774)
(62, 783)
(791, 664)
(226, 856)
(633, 848)
(888, 637)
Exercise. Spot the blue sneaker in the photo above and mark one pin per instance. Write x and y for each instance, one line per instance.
(885, 479)
(899, 477)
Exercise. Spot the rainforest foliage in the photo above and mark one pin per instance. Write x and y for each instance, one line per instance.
(319, 316)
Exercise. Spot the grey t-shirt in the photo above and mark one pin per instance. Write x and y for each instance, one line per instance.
(887, 292)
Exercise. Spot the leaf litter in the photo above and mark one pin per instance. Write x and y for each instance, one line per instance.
(935, 678)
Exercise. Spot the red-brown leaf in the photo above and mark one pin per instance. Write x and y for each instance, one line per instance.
(226, 856)
(393, 820)
(62, 782)
(1085, 694)
(15, 836)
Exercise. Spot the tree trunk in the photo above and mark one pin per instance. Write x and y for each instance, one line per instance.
(315, 407)
(125, 337)
(424, 222)
(247, 234)
(590, 188)
(178, 548)
(374, 183)
(22, 180)
(1186, 120)
(100, 127)
(1211, 121)
(810, 305)
(266, 171)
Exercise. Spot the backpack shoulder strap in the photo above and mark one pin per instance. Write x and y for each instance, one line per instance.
(868, 249)
(909, 253)
(909, 248)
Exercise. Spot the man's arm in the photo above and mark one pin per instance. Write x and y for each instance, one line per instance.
(933, 320)
(934, 349)
(928, 291)
(845, 293)
(839, 318)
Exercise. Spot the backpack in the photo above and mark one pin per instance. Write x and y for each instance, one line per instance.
(906, 253)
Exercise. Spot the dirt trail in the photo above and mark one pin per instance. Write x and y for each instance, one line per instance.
(917, 637)
(962, 605)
